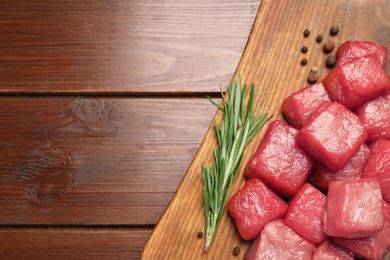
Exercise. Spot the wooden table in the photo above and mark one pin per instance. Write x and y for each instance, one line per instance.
(102, 109)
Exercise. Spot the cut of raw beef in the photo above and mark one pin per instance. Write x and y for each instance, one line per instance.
(254, 206)
(353, 208)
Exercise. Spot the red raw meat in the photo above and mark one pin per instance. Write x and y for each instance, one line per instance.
(305, 213)
(279, 161)
(278, 241)
(353, 208)
(254, 206)
(357, 82)
(332, 135)
(320, 176)
(328, 251)
(378, 166)
(350, 51)
(372, 247)
(298, 107)
(375, 116)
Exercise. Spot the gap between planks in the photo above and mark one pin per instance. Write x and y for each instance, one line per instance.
(140, 95)
(78, 226)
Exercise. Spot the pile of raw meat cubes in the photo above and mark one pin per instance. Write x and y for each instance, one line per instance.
(319, 187)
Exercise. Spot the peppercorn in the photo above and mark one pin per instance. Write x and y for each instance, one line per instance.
(236, 251)
(303, 62)
(328, 46)
(330, 61)
(306, 33)
(304, 49)
(200, 234)
(312, 78)
(334, 30)
(319, 38)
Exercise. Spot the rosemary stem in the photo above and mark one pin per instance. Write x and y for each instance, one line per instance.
(235, 132)
(231, 158)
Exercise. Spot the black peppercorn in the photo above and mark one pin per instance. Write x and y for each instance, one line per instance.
(334, 30)
(330, 61)
(303, 62)
(306, 33)
(319, 38)
(328, 46)
(304, 49)
(200, 234)
(236, 251)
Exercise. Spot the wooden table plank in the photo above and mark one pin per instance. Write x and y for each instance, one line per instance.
(67, 243)
(92, 161)
(271, 61)
(118, 46)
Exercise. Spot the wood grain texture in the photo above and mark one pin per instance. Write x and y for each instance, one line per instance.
(95, 161)
(271, 60)
(118, 46)
(63, 243)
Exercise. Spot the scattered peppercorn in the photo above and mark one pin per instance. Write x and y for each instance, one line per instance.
(304, 49)
(200, 234)
(312, 78)
(334, 30)
(303, 62)
(236, 251)
(314, 69)
(319, 38)
(330, 61)
(328, 47)
(306, 33)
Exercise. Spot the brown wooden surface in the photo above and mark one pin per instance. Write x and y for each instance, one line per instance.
(95, 161)
(118, 46)
(272, 61)
(64, 243)
(102, 108)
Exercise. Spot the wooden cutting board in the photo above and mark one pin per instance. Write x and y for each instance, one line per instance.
(271, 60)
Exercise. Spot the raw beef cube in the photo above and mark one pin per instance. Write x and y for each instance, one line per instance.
(353, 208)
(305, 212)
(254, 206)
(357, 82)
(279, 161)
(298, 107)
(332, 135)
(372, 247)
(375, 116)
(328, 251)
(378, 166)
(320, 176)
(278, 241)
(353, 50)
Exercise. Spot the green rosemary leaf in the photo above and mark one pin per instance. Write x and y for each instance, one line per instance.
(257, 125)
(243, 95)
(251, 100)
(236, 131)
(213, 102)
(217, 131)
(236, 105)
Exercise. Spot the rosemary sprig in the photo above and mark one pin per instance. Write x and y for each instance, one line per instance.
(237, 130)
